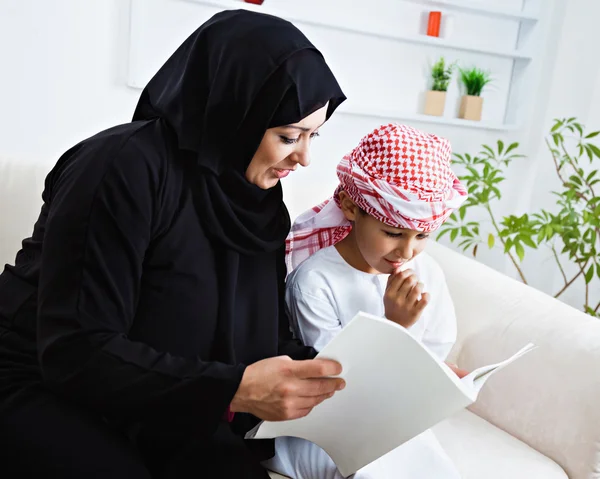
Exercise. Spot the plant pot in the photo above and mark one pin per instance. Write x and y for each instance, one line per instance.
(435, 101)
(470, 108)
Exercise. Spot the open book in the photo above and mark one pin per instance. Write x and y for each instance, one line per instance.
(395, 390)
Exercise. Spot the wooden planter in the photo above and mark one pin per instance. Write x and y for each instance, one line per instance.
(435, 101)
(470, 108)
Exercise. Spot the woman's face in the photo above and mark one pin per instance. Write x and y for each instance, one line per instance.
(282, 149)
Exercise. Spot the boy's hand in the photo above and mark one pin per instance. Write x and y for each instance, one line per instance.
(404, 300)
(461, 373)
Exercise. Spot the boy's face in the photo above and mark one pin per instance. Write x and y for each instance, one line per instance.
(382, 247)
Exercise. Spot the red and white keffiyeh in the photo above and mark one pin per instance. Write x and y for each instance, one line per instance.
(397, 174)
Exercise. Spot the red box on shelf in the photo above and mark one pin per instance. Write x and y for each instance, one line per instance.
(255, 2)
(433, 26)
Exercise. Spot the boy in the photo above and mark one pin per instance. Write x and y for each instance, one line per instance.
(362, 250)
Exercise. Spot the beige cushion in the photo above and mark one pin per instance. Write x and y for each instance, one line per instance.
(480, 450)
(21, 185)
(548, 399)
(274, 475)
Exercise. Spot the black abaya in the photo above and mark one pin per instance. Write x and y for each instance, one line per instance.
(155, 272)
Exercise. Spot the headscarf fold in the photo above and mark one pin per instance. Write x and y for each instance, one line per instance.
(237, 75)
(397, 174)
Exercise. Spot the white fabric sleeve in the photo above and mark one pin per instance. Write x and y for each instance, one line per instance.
(440, 331)
(313, 319)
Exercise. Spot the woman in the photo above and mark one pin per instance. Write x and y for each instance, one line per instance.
(137, 322)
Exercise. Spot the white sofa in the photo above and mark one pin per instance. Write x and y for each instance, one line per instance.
(538, 419)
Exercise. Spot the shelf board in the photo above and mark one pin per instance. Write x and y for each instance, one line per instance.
(420, 118)
(415, 39)
(470, 6)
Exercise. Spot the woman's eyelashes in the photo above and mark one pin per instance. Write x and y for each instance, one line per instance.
(290, 141)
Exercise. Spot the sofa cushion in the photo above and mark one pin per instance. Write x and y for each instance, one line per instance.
(21, 186)
(481, 450)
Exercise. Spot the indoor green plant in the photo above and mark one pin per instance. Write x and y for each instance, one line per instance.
(474, 80)
(435, 99)
(570, 232)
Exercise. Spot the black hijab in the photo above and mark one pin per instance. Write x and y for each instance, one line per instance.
(236, 76)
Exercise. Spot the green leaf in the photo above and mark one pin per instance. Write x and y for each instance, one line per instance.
(511, 147)
(589, 274)
(576, 180)
(486, 171)
(462, 211)
(541, 235)
(500, 147)
(474, 172)
(556, 126)
(593, 134)
(528, 241)
(595, 150)
(590, 176)
(442, 233)
(520, 251)
(491, 240)
(453, 234)
(489, 151)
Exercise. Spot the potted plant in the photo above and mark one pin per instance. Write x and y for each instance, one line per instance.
(435, 99)
(474, 80)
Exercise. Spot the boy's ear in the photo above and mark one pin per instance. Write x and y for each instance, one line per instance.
(349, 208)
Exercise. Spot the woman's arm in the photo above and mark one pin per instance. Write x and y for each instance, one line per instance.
(98, 229)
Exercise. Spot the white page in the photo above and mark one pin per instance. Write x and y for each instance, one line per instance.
(395, 390)
(477, 378)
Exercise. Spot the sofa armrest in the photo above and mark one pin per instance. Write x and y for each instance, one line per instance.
(550, 398)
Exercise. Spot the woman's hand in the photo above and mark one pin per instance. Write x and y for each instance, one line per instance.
(404, 300)
(278, 389)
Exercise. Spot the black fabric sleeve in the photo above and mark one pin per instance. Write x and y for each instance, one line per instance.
(99, 226)
(288, 345)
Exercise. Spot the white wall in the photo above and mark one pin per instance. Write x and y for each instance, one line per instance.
(65, 66)
(571, 87)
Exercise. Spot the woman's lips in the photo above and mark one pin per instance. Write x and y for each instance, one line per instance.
(281, 173)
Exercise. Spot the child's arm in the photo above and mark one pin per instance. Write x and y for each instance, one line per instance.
(440, 332)
(288, 344)
(313, 319)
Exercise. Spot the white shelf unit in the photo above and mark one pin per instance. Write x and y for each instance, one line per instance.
(480, 8)
(515, 60)
(420, 118)
(307, 18)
